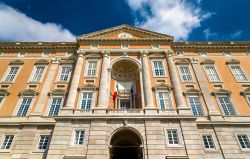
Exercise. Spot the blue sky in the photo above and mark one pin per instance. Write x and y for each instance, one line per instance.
(186, 20)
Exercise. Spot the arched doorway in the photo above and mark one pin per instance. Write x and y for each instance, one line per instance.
(126, 144)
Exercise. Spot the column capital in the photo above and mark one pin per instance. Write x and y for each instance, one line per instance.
(80, 52)
(55, 60)
(105, 53)
(144, 53)
(193, 60)
(169, 52)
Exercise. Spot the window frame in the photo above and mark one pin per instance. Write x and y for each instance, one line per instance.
(86, 135)
(201, 104)
(163, 65)
(222, 110)
(178, 135)
(244, 74)
(18, 105)
(169, 98)
(8, 71)
(34, 72)
(2, 142)
(3, 100)
(50, 104)
(213, 141)
(180, 74)
(211, 65)
(60, 72)
(237, 139)
(81, 98)
(87, 67)
(39, 139)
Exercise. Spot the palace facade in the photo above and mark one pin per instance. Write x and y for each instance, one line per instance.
(124, 93)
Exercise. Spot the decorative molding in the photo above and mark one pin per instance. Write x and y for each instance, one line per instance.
(67, 61)
(4, 92)
(157, 56)
(105, 53)
(221, 92)
(162, 86)
(245, 91)
(193, 60)
(55, 60)
(232, 61)
(182, 61)
(28, 92)
(42, 62)
(88, 87)
(57, 92)
(192, 92)
(16, 62)
(207, 61)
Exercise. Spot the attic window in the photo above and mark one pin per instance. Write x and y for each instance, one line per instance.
(94, 46)
(45, 54)
(124, 35)
(203, 53)
(179, 53)
(21, 54)
(124, 46)
(155, 46)
(227, 53)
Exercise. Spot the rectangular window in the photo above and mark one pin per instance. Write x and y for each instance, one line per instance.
(244, 141)
(226, 105)
(158, 68)
(78, 137)
(12, 73)
(25, 104)
(65, 72)
(124, 104)
(43, 142)
(195, 105)
(38, 74)
(238, 73)
(212, 74)
(208, 141)
(92, 68)
(185, 74)
(173, 138)
(55, 106)
(7, 141)
(86, 100)
(164, 100)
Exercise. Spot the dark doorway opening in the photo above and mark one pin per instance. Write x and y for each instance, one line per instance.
(126, 144)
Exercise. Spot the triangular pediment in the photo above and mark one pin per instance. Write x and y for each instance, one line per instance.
(124, 32)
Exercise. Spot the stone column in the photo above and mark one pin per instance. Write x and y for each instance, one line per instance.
(46, 87)
(212, 111)
(148, 97)
(103, 85)
(180, 102)
(75, 81)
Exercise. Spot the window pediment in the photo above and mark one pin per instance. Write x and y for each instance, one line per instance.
(67, 61)
(192, 92)
(162, 86)
(16, 62)
(88, 87)
(4, 92)
(28, 92)
(221, 92)
(232, 61)
(57, 92)
(182, 62)
(42, 62)
(245, 91)
(207, 61)
(157, 56)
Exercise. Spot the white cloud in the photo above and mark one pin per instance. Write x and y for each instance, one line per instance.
(236, 34)
(209, 34)
(174, 17)
(16, 26)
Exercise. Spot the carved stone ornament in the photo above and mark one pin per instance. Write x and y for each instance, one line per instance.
(28, 92)
(245, 91)
(124, 35)
(162, 86)
(192, 92)
(57, 92)
(89, 87)
(4, 92)
(221, 92)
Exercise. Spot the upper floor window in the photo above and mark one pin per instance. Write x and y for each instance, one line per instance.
(185, 73)
(92, 68)
(211, 73)
(37, 74)
(208, 141)
(43, 142)
(12, 73)
(164, 100)
(65, 73)
(158, 68)
(78, 137)
(243, 141)
(7, 141)
(24, 107)
(86, 102)
(195, 105)
(55, 106)
(226, 105)
(238, 73)
(173, 138)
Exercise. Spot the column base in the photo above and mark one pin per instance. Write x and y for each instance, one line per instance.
(184, 111)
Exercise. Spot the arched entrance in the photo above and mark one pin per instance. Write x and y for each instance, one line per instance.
(126, 144)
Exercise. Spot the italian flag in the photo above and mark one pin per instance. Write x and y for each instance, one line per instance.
(116, 92)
